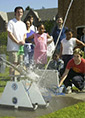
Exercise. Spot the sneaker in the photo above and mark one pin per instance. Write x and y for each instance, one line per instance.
(68, 90)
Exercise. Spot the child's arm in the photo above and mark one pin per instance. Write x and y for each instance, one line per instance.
(29, 39)
(80, 44)
(50, 39)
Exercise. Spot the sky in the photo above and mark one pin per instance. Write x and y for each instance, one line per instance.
(9, 5)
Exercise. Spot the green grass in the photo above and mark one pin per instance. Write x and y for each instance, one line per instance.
(7, 117)
(5, 75)
(74, 111)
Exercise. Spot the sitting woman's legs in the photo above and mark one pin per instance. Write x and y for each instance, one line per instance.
(76, 78)
(78, 81)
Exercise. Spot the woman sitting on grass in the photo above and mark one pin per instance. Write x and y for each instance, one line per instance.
(74, 72)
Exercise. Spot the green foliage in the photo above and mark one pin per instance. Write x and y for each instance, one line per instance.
(3, 38)
(83, 54)
(49, 25)
(74, 111)
(3, 42)
(3, 49)
(6, 76)
(28, 8)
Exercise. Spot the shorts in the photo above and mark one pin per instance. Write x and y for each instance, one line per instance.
(14, 57)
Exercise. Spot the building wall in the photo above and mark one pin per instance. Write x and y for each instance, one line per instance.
(76, 16)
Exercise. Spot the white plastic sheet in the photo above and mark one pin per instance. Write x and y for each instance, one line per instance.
(50, 49)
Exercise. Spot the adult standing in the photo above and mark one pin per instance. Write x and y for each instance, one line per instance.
(56, 31)
(16, 30)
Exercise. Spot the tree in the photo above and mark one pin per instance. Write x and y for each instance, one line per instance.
(43, 7)
(28, 8)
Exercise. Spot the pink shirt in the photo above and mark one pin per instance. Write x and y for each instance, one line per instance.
(40, 50)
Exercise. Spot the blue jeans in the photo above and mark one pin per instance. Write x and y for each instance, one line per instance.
(28, 56)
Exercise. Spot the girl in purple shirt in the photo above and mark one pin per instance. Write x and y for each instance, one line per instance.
(28, 47)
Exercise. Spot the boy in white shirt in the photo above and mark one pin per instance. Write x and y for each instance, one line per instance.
(16, 30)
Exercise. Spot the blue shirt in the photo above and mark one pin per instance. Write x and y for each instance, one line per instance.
(56, 32)
(29, 45)
(28, 35)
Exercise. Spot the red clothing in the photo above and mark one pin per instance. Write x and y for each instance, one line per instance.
(77, 68)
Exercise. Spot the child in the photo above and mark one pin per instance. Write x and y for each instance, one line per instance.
(28, 47)
(32, 27)
(40, 41)
(68, 44)
(56, 63)
(75, 71)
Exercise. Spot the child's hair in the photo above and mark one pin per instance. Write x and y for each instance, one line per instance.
(55, 54)
(78, 51)
(58, 16)
(69, 30)
(39, 24)
(26, 22)
(29, 17)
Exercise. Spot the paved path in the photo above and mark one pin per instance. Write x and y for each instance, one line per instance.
(77, 95)
(57, 102)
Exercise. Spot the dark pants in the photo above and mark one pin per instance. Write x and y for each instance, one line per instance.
(76, 78)
(66, 59)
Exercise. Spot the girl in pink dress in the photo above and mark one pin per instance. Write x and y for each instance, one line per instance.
(40, 41)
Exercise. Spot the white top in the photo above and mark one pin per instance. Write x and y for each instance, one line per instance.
(18, 29)
(33, 28)
(68, 46)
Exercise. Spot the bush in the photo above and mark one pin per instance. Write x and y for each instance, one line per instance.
(3, 42)
(49, 25)
(3, 38)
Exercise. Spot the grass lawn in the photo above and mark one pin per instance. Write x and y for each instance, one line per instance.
(7, 117)
(4, 75)
(74, 111)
